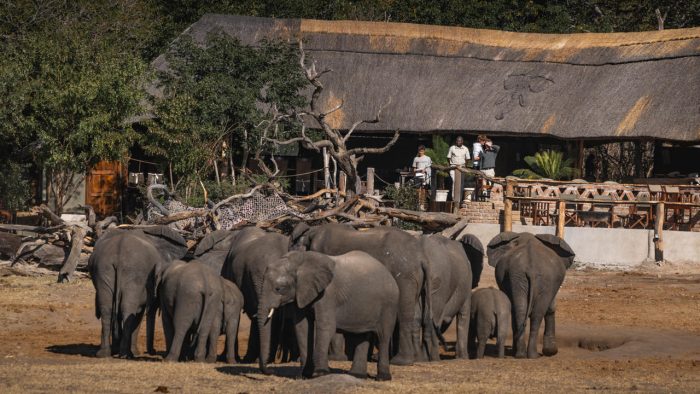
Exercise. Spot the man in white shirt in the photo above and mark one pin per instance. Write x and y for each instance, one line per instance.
(458, 155)
(421, 166)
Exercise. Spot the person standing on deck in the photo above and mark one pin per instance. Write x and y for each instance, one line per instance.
(458, 156)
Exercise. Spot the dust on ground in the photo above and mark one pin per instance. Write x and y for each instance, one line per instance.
(617, 331)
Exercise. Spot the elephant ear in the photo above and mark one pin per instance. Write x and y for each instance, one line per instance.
(560, 246)
(167, 233)
(296, 240)
(475, 252)
(494, 248)
(211, 241)
(314, 274)
(161, 269)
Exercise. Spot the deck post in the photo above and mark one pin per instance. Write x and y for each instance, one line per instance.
(370, 181)
(342, 184)
(659, 233)
(561, 218)
(457, 191)
(508, 206)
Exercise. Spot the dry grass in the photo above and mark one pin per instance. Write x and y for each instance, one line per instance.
(50, 333)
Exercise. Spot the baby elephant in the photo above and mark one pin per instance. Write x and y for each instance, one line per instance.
(198, 305)
(490, 317)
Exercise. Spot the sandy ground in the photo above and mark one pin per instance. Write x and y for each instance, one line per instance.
(617, 331)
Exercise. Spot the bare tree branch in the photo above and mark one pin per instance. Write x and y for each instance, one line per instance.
(385, 148)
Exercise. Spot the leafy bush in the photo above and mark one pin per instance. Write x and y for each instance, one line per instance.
(547, 164)
(405, 197)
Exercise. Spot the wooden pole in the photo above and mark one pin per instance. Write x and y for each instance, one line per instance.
(457, 190)
(342, 184)
(659, 233)
(326, 169)
(370, 181)
(580, 160)
(561, 219)
(508, 206)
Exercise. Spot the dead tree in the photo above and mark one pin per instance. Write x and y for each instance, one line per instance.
(336, 139)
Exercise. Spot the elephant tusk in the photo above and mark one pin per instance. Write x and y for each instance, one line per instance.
(272, 310)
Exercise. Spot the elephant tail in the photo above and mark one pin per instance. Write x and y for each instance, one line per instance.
(530, 294)
(428, 325)
(116, 303)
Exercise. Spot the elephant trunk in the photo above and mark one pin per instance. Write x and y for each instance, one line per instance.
(264, 328)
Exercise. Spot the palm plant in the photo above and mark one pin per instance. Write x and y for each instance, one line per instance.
(438, 153)
(547, 164)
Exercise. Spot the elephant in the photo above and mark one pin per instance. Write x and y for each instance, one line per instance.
(453, 275)
(122, 267)
(197, 305)
(252, 249)
(490, 317)
(214, 247)
(530, 269)
(402, 255)
(352, 293)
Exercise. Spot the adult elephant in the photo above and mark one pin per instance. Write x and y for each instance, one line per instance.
(214, 247)
(122, 267)
(352, 293)
(530, 269)
(455, 269)
(402, 254)
(252, 250)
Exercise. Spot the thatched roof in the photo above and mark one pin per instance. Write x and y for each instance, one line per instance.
(594, 85)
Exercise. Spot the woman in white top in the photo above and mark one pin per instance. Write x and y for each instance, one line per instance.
(421, 166)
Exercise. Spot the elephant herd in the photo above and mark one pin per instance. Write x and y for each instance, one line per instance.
(324, 292)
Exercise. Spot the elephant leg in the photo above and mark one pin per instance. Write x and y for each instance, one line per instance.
(360, 344)
(463, 322)
(303, 329)
(168, 331)
(384, 335)
(337, 348)
(206, 321)
(502, 330)
(176, 345)
(519, 318)
(471, 346)
(325, 327)
(253, 349)
(549, 347)
(130, 322)
(214, 332)
(150, 328)
(231, 338)
(135, 334)
(408, 327)
(106, 320)
(482, 337)
(536, 317)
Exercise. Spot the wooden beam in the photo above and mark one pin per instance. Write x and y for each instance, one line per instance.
(342, 185)
(659, 232)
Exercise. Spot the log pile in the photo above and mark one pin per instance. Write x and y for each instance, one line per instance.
(66, 246)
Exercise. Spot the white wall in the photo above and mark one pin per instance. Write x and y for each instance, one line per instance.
(609, 246)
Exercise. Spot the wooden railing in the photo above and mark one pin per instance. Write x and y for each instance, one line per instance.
(684, 197)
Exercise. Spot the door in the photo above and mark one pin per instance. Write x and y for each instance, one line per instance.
(104, 188)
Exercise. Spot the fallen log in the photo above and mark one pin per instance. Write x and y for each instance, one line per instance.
(183, 215)
(66, 272)
(429, 220)
(455, 230)
(31, 229)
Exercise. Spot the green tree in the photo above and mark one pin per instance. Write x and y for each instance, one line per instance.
(67, 88)
(438, 153)
(221, 94)
(547, 164)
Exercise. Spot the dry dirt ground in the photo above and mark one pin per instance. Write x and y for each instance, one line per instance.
(617, 331)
